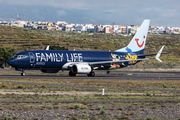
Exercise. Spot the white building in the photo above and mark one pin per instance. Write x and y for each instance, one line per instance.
(80, 28)
(92, 30)
(18, 23)
(61, 22)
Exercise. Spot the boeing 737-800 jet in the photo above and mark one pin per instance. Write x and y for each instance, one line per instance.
(84, 62)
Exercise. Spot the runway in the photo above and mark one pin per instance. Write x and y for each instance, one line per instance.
(100, 75)
(103, 75)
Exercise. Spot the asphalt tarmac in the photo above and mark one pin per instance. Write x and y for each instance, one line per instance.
(103, 75)
(118, 75)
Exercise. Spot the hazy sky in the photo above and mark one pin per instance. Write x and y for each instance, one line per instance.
(126, 12)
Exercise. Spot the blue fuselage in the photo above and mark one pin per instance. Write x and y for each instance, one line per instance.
(56, 59)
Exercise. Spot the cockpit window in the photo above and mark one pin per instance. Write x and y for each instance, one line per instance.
(15, 56)
(20, 56)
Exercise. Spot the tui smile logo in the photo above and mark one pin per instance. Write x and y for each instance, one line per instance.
(140, 45)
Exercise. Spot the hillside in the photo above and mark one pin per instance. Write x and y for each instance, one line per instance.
(21, 39)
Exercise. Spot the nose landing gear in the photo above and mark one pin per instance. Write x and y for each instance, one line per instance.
(22, 70)
(23, 74)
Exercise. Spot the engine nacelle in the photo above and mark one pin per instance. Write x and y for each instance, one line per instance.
(81, 69)
(49, 71)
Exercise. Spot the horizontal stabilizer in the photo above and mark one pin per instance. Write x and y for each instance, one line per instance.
(144, 55)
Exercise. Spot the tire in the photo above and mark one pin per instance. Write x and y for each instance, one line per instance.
(91, 74)
(23, 74)
(72, 74)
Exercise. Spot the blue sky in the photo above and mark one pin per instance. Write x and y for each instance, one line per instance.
(126, 12)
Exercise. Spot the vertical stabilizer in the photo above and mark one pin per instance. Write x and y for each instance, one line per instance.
(138, 42)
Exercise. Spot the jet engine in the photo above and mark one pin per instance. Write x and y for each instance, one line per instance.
(81, 69)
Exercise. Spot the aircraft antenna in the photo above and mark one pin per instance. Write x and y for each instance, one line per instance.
(113, 25)
(18, 18)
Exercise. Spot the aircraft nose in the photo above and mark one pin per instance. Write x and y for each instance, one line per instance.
(10, 62)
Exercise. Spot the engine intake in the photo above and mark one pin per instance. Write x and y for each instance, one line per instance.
(81, 69)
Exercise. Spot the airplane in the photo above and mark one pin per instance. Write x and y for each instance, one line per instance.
(85, 62)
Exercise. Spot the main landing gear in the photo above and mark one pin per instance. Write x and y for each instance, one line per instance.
(91, 74)
(72, 74)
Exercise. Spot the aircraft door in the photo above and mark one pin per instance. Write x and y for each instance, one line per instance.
(32, 58)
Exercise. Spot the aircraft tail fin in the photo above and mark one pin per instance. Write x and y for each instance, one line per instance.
(138, 42)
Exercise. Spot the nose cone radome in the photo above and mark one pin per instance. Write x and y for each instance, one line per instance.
(10, 61)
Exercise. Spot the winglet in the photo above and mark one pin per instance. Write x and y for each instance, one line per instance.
(159, 53)
(47, 48)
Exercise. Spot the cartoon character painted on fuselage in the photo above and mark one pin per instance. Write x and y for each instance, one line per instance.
(115, 57)
(130, 55)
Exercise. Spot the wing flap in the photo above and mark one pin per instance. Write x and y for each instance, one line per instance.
(117, 62)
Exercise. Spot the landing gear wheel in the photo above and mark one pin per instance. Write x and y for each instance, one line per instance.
(72, 74)
(91, 74)
(23, 74)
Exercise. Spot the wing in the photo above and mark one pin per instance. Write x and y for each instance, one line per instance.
(122, 61)
(117, 62)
